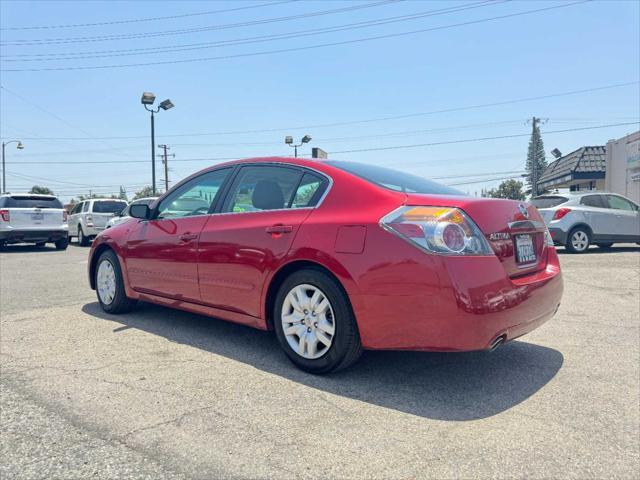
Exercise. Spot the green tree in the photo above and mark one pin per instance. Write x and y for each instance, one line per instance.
(536, 162)
(41, 190)
(145, 192)
(508, 189)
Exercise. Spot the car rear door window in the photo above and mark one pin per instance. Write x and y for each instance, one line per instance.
(262, 187)
(593, 201)
(619, 203)
(194, 197)
(309, 191)
(85, 206)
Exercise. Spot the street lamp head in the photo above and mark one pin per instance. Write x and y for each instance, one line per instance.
(166, 104)
(306, 139)
(288, 140)
(556, 153)
(20, 146)
(148, 98)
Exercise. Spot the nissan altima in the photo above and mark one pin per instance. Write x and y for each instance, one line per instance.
(335, 257)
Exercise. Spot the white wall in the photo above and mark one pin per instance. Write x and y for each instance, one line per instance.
(623, 166)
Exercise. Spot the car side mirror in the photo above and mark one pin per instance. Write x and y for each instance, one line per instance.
(140, 211)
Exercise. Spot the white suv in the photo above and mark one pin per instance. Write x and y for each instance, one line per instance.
(89, 217)
(32, 218)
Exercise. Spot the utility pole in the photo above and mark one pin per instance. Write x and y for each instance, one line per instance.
(165, 161)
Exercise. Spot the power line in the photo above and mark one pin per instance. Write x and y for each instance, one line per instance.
(355, 122)
(481, 181)
(151, 19)
(392, 147)
(58, 118)
(132, 36)
(297, 49)
(42, 57)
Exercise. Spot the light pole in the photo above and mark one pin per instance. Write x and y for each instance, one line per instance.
(147, 99)
(289, 141)
(19, 146)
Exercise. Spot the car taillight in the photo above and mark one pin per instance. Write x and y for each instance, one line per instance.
(4, 214)
(65, 215)
(442, 230)
(561, 212)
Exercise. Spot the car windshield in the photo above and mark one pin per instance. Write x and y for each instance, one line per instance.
(26, 201)
(109, 207)
(394, 179)
(548, 201)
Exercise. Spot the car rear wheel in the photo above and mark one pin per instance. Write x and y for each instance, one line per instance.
(314, 323)
(579, 240)
(110, 285)
(83, 241)
(62, 243)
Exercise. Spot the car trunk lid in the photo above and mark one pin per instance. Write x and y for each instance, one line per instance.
(515, 230)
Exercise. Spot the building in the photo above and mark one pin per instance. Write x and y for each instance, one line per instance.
(582, 169)
(623, 166)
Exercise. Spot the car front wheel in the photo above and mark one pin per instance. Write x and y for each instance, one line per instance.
(110, 285)
(579, 240)
(314, 323)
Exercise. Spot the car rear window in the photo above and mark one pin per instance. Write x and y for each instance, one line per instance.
(109, 207)
(548, 202)
(27, 201)
(393, 179)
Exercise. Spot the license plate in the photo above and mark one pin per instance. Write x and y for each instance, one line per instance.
(525, 251)
(37, 216)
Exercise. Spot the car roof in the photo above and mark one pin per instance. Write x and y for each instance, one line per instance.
(37, 195)
(578, 195)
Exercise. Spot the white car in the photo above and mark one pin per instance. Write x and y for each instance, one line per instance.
(33, 218)
(577, 220)
(124, 215)
(89, 217)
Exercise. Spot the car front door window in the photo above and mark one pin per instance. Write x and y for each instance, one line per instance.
(194, 197)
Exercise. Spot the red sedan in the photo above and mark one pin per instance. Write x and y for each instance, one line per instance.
(335, 257)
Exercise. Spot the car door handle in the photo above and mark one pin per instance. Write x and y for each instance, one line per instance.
(188, 236)
(274, 229)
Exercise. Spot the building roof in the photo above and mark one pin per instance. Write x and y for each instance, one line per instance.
(581, 161)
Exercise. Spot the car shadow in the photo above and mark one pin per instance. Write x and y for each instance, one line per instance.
(595, 250)
(443, 386)
(27, 248)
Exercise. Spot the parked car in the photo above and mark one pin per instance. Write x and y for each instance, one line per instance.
(32, 218)
(336, 257)
(90, 217)
(579, 220)
(124, 215)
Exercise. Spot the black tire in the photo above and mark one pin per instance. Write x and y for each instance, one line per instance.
(572, 246)
(345, 346)
(62, 243)
(605, 246)
(120, 303)
(41, 244)
(83, 241)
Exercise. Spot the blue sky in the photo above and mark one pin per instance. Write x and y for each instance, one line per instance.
(72, 115)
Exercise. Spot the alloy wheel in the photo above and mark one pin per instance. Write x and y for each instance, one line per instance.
(106, 282)
(580, 240)
(308, 321)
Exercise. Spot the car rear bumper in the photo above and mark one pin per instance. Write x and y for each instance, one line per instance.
(463, 304)
(17, 236)
(558, 235)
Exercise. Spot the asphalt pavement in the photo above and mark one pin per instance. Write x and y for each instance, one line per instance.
(159, 393)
